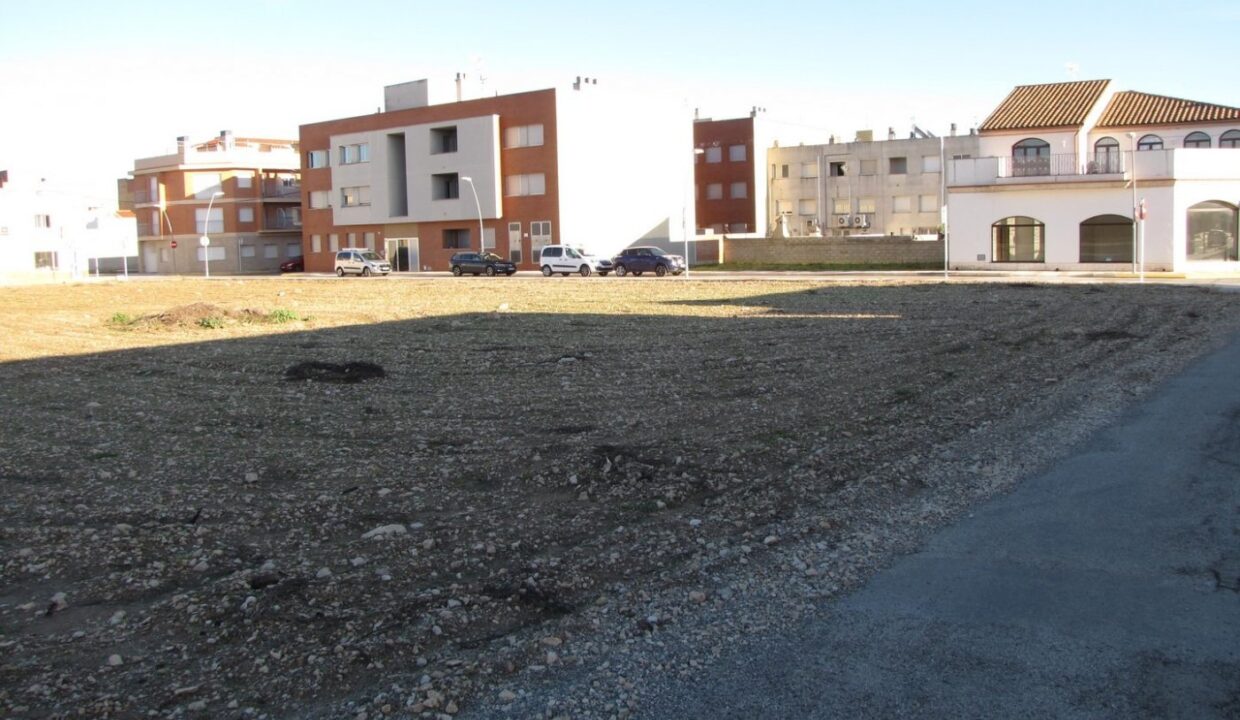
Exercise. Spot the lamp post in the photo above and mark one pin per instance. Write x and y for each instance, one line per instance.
(482, 235)
(205, 240)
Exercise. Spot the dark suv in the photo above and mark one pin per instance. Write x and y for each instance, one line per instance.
(638, 260)
(476, 264)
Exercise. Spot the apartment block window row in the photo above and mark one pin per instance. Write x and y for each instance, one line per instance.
(714, 191)
(532, 184)
(245, 215)
(316, 159)
(316, 243)
(455, 239)
(867, 205)
(214, 225)
(523, 136)
(841, 206)
(320, 199)
(929, 203)
(355, 196)
(245, 182)
(714, 154)
(353, 154)
(736, 153)
(897, 166)
(443, 140)
(809, 170)
(445, 186)
(739, 191)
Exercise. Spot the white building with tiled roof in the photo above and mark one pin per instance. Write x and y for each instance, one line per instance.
(1062, 169)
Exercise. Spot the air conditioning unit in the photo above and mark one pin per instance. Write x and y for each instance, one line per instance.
(860, 221)
(842, 221)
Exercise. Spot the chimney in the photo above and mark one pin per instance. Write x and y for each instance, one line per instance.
(182, 140)
(891, 133)
(460, 77)
(953, 129)
(227, 141)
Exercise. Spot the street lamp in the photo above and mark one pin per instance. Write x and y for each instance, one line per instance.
(205, 240)
(481, 232)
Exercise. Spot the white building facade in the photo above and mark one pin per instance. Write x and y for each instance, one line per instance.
(1075, 176)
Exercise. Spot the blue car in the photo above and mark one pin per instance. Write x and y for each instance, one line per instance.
(638, 260)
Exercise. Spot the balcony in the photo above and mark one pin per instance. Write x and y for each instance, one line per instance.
(147, 230)
(141, 197)
(281, 190)
(285, 219)
(1177, 164)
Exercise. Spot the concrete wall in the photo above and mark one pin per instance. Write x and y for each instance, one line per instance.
(883, 250)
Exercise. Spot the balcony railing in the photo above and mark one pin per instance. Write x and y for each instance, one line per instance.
(282, 221)
(145, 230)
(280, 190)
(1059, 165)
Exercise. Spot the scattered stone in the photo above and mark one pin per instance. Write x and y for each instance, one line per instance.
(386, 531)
(115, 660)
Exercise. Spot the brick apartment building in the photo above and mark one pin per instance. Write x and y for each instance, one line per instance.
(730, 183)
(244, 193)
(576, 165)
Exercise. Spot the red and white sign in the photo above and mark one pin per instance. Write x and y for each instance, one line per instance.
(173, 244)
(1141, 210)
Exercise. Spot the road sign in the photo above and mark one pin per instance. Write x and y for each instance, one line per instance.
(173, 244)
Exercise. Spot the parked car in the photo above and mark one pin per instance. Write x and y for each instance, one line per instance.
(361, 261)
(638, 260)
(564, 259)
(294, 265)
(476, 264)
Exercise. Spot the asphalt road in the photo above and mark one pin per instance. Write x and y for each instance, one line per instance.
(1107, 587)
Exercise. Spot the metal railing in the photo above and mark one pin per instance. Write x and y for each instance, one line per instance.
(281, 190)
(147, 230)
(1062, 164)
(282, 222)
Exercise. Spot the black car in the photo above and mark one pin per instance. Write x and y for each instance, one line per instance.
(638, 260)
(476, 264)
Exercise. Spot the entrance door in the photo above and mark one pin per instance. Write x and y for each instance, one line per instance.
(150, 259)
(514, 242)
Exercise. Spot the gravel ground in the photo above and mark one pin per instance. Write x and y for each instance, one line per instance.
(505, 498)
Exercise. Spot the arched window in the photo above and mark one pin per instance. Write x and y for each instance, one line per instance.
(1018, 239)
(1106, 239)
(1150, 142)
(1212, 231)
(1106, 156)
(1230, 139)
(1031, 157)
(1197, 140)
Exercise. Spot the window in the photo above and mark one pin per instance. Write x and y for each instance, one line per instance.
(271, 252)
(316, 243)
(714, 154)
(320, 199)
(212, 253)
(714, 191)
(930, 164)
(897, 166)
(445, 186)
(353, 154)
(248, 251)
(43, 221)
(1031, 157)
(783, 171)
(1197, 140)
(1018, 239)
(215, 226)
(443, 140)
(738, 191)
(45, 259)
(809, 170)
(245, 214)
(333, 242)
(866, 205)
(1212, 231)
(204, 185)
(455, 239)
(869, 167)
(928, 203)
(532, 184)
(368, 240)
(1106, 239)
(841, 206)
(902, 204)
(783, 207)
(245, 182)
(1106, 157)
(1150, 142)
(736, 153)
(807, 207)
(316, 159)
(514, 242)
(837, 169)
(352, 238)
(1229, 139)
(523, 136)
(292, 250)
(355, 196)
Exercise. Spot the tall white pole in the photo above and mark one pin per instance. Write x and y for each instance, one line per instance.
(205, 240)
(943, 200)
(478, 206)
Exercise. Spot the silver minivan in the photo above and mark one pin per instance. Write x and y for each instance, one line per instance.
(361, 261)
(564, 259)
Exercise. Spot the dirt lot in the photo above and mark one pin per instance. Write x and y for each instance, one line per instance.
(295, 498)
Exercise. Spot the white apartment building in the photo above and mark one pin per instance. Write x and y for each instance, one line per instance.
(51, 232)
(865, 187)
(1063, 169)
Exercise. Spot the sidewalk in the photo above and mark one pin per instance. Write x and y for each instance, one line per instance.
(1108, 587)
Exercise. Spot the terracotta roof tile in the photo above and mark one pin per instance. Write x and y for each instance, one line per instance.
(1054, 105)
(1131, 108)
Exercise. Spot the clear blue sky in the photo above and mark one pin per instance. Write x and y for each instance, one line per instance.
(88, 86)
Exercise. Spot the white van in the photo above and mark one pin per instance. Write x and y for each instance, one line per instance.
(564, 259)
(362, 262)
